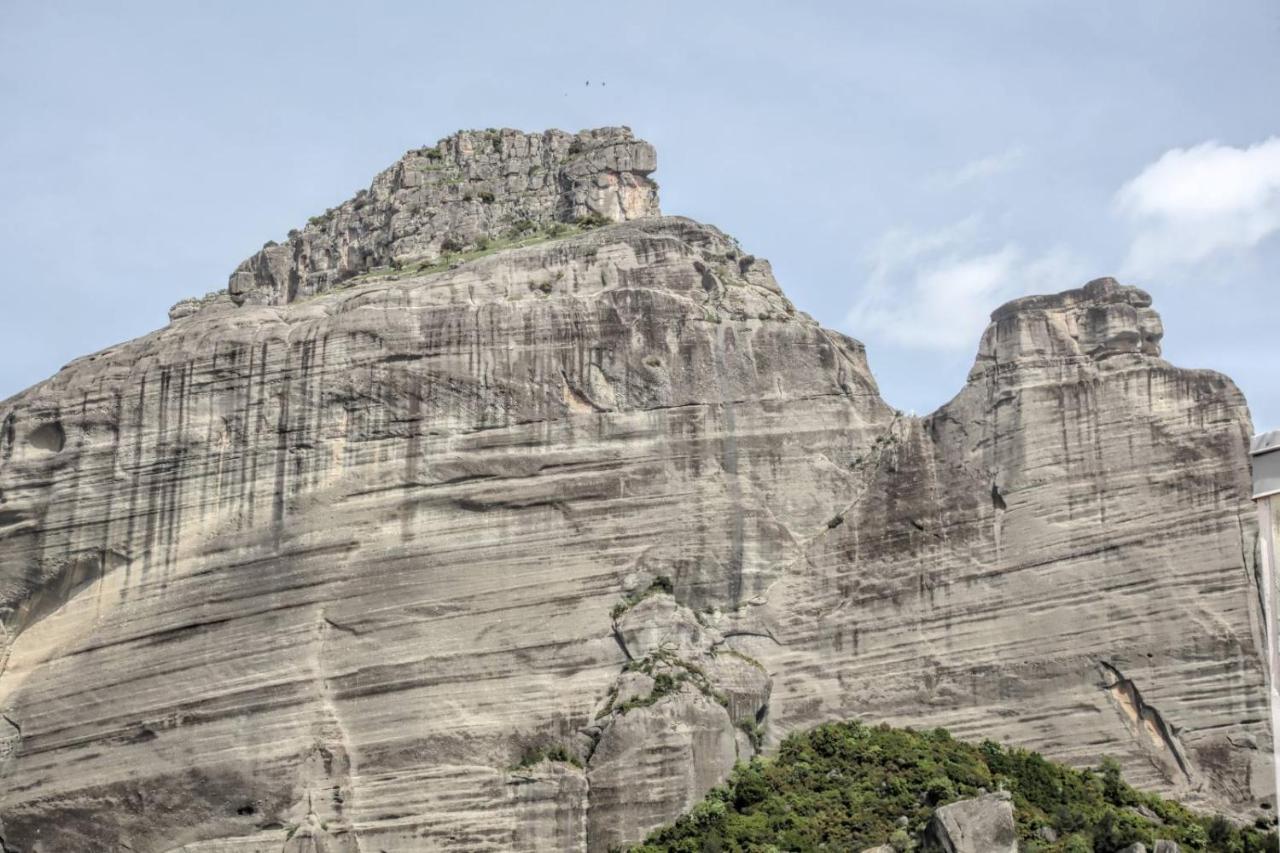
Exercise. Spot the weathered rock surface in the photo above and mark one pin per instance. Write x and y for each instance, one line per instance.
(466, 190)
(347, 559)
(980, 825)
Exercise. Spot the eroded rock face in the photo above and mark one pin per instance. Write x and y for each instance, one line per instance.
(607, 496)
(684, 710)
(471, 188)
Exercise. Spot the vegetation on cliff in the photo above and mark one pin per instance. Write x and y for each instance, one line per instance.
(848, 786)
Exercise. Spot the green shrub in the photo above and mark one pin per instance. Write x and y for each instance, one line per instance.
(843, 786)
(660, 584)
(592, 220)
(556, 752)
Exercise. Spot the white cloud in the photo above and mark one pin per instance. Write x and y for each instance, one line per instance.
(937, 291)
(982, 169)
(1196, 202)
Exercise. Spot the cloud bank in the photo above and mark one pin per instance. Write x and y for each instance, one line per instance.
(1198, 202)
(936, 291)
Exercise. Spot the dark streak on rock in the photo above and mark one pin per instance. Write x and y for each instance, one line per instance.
(1129, 690)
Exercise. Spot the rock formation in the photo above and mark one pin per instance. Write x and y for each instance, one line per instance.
(463, 192)
(980, 825)
(496, 511)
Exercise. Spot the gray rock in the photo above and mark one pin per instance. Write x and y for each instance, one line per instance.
(352, 550)
(1166, 846)
(980, 825)
(1147, 813)
(465, 192)
(1135, 847)
(657, 623)
(684, 743)
(312, 836)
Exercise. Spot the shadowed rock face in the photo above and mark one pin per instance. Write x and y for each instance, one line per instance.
(336, 571)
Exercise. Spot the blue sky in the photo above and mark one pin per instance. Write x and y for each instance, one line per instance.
(906, 166)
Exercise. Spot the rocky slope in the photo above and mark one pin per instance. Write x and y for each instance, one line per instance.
(494, 461)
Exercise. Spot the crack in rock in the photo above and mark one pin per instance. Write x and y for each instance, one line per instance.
(1147, 725)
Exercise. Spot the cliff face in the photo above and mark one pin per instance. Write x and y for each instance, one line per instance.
(518, 542)
(466, 190)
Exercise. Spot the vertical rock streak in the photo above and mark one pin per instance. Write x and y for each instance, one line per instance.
(330, 562)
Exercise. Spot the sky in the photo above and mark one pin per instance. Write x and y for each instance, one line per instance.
(906, 166)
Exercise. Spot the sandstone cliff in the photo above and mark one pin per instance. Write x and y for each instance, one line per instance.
(496, 511)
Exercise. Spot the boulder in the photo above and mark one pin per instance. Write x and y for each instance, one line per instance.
(981, 825)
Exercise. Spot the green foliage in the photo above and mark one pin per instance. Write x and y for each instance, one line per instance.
(660, 585)
(556, 752)
(455, 252)
(844, 786)
(669, 671)
(754, 732)
(592, 220)
(322, 219)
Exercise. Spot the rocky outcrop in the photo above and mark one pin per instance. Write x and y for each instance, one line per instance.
(684, 710)
(467, 191)
(595, 491)
(980, 825)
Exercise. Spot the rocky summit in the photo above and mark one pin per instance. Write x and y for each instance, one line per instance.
(494, 510)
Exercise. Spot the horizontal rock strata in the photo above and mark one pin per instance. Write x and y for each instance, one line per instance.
(522, 550)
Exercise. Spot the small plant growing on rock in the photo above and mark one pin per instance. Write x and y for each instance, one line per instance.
(592, 220)
(556, 752)
(754, 732)
(660, 585)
